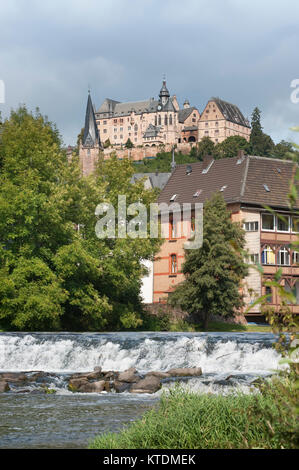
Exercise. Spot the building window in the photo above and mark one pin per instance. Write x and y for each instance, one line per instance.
(252, 258)
(135, 128)
(251, 226)
(173, 264)
(268, 292)
(105, 131)
(115, 129)
(121, 136)
(268, 222)
(172, 229)
(283, 223)
(165, 120)
(295, 257)
(170, 120)
(88, 152)
(104, 122)
(121, 129)
(268, 255)
(206, 124)
(284, 256)
(115, 137)
(129, 128)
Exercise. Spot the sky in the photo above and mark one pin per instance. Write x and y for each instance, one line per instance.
(244, 52)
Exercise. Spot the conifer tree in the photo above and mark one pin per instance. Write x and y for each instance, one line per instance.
(214, 271)
(261, 144)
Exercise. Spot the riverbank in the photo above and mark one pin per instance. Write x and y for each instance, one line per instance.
(186, 420)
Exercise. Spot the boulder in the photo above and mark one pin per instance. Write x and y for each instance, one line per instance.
(185, 372)
(13, 377)
(160, 375)
(4, 387)
(92, 387)
(129, 376)
(75, 384)
(120, 387)
(150, 384)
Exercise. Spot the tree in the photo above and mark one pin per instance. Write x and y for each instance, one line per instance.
(230, 147)
(214, 271)
(205, 147)
(54, 272)
(129, 144)
(261, 144)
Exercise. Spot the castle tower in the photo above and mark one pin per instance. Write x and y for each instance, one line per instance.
(164, 94)
(91, 142)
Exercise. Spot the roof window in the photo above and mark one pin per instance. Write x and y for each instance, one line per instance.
(173, 197)
(266, 188)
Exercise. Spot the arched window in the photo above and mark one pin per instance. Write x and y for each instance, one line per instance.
(165, 120)
(135, 128)
(159, 119)
(155, 120)
(268, 255)
(170, 120)
(173, 264)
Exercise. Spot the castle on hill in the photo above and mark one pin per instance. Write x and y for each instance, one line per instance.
(155, 123)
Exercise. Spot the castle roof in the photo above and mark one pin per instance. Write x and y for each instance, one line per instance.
(231, 112)
(91, 136)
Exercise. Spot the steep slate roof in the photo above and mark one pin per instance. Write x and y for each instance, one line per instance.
(244, 178)
(122, 109)
(91, 136)
(231, 112)
(185, 113)
(157, 180)
(152, 131)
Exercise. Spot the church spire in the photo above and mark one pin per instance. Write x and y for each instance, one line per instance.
(91, 136)
(164, 93)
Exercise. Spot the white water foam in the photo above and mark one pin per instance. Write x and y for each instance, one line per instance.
(66, 354)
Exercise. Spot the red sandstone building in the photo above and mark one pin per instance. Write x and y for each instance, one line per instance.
(248, 183)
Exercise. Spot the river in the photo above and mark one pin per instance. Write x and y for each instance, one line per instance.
(29, 418)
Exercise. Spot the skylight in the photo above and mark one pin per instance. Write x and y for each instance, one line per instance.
(223, 187)
(266, 188)
(173, 197)
(197, 193)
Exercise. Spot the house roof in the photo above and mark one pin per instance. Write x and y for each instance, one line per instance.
(241, 179)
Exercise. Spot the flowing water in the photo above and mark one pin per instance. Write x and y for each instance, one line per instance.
(29, 418)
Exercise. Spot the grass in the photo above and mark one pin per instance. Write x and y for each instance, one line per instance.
(186, 420)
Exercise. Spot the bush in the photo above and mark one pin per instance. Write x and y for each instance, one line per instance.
(186, 420)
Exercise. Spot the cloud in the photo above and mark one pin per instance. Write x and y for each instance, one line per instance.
(244, 52)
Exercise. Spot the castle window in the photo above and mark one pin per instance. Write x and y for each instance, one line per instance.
(104, 122)
(165, 120)
(170, 120)
(105, 131)
(135, 128)
(88, 152)
(121, 129)
(159, 120)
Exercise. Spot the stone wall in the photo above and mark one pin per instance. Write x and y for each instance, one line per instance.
(140, 153)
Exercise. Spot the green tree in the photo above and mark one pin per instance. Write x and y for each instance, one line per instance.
(54, 272)
(230, 147)
(129, 144)
(214, 271)
(261, 144)
(205, 147)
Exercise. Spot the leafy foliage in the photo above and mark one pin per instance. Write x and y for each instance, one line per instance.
(214, 271)
(54, 272)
